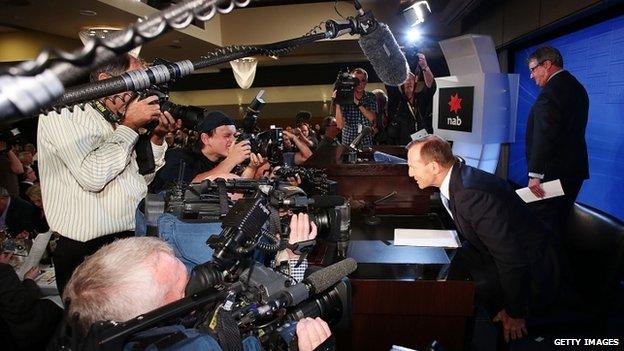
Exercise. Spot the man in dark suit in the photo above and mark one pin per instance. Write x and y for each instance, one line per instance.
(555, 135)
(507, 249)
(17, 217)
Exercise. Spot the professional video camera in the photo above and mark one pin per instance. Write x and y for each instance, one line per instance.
(345, 87)
(235, 292)
(268, 143)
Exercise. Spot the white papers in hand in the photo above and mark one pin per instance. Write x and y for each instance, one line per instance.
(426, 238)
(36, 252)
(551, 189)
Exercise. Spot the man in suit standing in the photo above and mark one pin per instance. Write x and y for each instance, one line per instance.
(555, 135)
(507, 250)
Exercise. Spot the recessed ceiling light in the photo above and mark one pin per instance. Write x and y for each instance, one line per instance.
(88, 13)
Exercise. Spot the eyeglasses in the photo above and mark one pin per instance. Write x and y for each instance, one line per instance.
(532, 69)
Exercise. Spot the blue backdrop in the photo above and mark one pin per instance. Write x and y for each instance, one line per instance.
(595, 56)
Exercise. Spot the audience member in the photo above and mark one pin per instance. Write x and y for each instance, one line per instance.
(10, 168)
(31, 321)
(17, 217)
(27, 179)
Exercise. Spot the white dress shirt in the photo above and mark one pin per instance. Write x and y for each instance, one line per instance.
(445, 194)
(90, 179)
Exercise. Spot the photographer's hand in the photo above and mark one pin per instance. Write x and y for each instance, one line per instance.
(256, 161)
(166, 124)
(301, 229)
(32, 273)
(239, 152)
(424, 67)
(138, 113)
(311, 333)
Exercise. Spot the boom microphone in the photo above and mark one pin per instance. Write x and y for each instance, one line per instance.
(384, 54)
(377, 43)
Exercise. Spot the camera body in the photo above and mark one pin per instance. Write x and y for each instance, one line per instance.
(268, 143)
(345, 88)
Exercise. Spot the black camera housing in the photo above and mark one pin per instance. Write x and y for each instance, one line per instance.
(345, 88)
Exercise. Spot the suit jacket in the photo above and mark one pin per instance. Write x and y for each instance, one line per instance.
(30, 320)
(22, 215)
(510, 241)
(555, 134)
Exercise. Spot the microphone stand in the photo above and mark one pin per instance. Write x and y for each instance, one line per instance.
(372, 219)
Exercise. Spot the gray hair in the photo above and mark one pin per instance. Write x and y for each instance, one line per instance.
(547, 53)
(117, 283)
(114, 68)
(4, 192)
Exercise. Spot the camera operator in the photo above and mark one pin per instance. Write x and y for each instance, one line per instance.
(362, 112)
(410, 105)
(151, 277)
(214, 152)
(10, 167)
(90, 177)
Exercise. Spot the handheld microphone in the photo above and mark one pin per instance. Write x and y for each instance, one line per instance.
(315, 283)
(358, 139)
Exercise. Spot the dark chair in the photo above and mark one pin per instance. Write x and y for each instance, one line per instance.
(594, 245)
(595, 249)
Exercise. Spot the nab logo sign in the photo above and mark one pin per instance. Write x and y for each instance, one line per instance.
(455, 109)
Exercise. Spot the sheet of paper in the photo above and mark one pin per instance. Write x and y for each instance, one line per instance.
(36, 252)
(552, 189)
(426, 238)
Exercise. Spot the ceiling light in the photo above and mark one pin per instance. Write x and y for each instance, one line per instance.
(103, 32)
(413, 35)
(88, 13)
(415, 13)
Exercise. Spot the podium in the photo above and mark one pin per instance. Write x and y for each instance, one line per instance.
(369, 181)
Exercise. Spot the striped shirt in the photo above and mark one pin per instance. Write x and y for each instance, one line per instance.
(353, 117)
(90, 179)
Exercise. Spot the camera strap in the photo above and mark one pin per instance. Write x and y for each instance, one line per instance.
(105, 112)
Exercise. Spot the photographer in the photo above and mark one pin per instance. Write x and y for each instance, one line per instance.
(90, 177)
(151, 277)
(362, 111)
(295, 158)
(10, 167)
(410, 105)
(215, 152)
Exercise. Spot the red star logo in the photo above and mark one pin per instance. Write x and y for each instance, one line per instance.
(455, 103)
